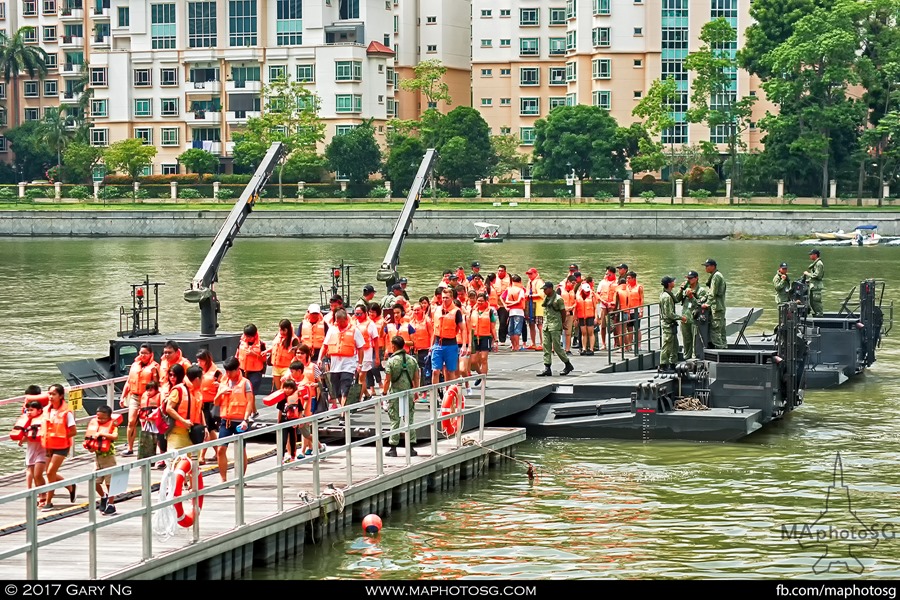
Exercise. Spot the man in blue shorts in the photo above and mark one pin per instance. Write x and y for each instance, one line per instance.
(448, 328)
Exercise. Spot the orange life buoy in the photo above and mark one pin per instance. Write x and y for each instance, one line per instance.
(21, 429)
(182, 473)
(453, 402)
(274, 398)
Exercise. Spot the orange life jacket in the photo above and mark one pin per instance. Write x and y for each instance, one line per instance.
(208, 384)
(312, 334)
(190, 407)
(481, 323)
(494, 297)
(164, 366)
(26, 428)
(635, 295)
(140, 375)
(364, 330)
(607, 292)
(96, 443)
(148, 405)
(504, 283)
(568, 299)
(420, 338)
(445, 323)
(234, 405)
(283, 357)
(391, 330)
(56, 429)
(515, 298)
(346, 344)
(585, 308)
(249, 355)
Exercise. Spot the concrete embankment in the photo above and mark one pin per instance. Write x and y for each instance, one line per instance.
(449, 224)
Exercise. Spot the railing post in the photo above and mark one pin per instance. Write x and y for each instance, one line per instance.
(317, 483)
(92, 534)
(481, 413)
(147, 519)
(195, 501)
(279, 477)
(111, 396)
(347, 441)
(31, 555)
(403, 409)
(432, 408)
(379, 441)
(239, 481)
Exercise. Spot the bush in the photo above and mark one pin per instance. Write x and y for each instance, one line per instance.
(117, 180)
(35, 193)
(80, 192)
(701, 193)
(562, 193)
(160, 179)
(468, 193)
(379, 192)
(245, 179)
(8, 193)
(225, 194)
(704, 178)
(649, 196)
(142, 194)
(110, 192)
(437, 193)
(189, 194)
(603, 196)
(789, 198)
(505, 192)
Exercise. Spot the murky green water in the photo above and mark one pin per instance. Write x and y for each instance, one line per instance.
(598, 508)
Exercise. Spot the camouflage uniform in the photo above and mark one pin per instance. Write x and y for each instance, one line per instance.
(782, 288)
(401, 369)
(716, 300)
(668, 319)
(816, 274)
(691, 298)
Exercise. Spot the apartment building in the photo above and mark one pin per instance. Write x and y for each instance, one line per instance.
(533, 55)
(182, 74)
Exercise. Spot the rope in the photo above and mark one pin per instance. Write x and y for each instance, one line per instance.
(336, 493)
(165, 520)
(689, 403)
(530, 469)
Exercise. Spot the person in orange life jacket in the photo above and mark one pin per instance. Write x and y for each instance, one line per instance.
(143, 370)
(252, 358)
(234, 399)
(465, 362)
(606, 297)
(35, 454)
(171, 355)
(483, 323)
(476, 284)
(585, 313)
(334, 304)
(311, 376)
(568, 295)
(400, 325)
(445, 279)
(102, 426)
(150, 439)
(445, 351)
(312, 329)
(633, 292)
(423, 334)
(209, 387)
(290, 408)
(514, 298)
(572, 269)
(344, 345)
(371, 355)
(182, 406)
(590, 281)
(373, 377)
(58, 430)
(461, 277)
(282, 351)
(534, 313)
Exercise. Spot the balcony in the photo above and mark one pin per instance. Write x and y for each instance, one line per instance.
(213, 147)
(243, 86)
(203, 87)
(345, 34)
(71, 14)
(239, 117)
(71, 69)
(69, 41)
(100, 41)
(203, 117)
(70, 97)
(101, 14)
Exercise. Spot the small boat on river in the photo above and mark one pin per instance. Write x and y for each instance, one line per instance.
(488, 233)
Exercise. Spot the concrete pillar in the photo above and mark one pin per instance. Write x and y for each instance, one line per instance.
(173, 190)
(527, 189)
(216, 190)
(679, 186)
(728, 188)
(21, 189)
(301, 190)
(477, 187)
(387, 186)
(780, 193)
(137, 187)
(578, 188)
(627, 183)
(96, 189)
(832, 189)
(886, 190)
(57, 190)
(343, 186)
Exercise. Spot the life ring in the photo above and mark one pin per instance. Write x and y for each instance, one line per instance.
(453, 402)
(182, 474)
(274, 398)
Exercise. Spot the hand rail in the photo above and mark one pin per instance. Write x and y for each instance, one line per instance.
(33, 544)
(621, 330)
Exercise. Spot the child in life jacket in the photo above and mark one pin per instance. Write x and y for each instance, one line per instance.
(292, 407)
(99, 438)
(149, 436)
(29, 433)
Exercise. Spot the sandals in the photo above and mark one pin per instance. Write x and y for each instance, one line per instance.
(72, 492)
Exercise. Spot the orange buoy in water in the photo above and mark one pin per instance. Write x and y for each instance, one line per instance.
(371, 524)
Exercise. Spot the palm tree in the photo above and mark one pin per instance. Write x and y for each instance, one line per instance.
(56, 127)
(17, 57)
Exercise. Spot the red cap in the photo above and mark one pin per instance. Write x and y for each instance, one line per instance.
(530, 271)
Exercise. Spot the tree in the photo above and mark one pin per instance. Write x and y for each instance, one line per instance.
(16, 57)
(406, 152)
(33, 156)
(584, 139)
(80, 160)
(56, 127)
(469, 156)
(656, 112)
(131, 156)
(428, 81)
(199, 161)
(773, 23)
(714, 100)
(355, 154)
(290, 116)
(818, 62)
(507, 157)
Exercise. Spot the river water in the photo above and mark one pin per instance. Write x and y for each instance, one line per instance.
(598, 508)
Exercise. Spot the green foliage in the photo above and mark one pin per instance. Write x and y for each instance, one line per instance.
(80, 192)
(654, 110)
(199, 161)
(772, 23)
(131, 156)
(80, 160)
(189, 194)
(8, 193)
(355, 154)
(580, 138)
(428, 81)
(406, 152)
(142, 194)
(379, 192)
(19, 57)
(699, 193)
(649, 196)
(35, 193)
(563, 193)
(507, 158)
(603, 196)
(468, 193)
(506, 192)
(225, 194)
(704, 178)
(790, 198)
(464, 147)
(32, 153)
(111, 192)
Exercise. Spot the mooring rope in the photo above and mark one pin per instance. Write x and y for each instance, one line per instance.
(689, 403)
(531, 471)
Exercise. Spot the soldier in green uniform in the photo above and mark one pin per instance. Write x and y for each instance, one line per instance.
(367, 298)
(716, 303)
(401, 374)
(691, 295)
(782, 284)
(554, 316)
(668, 319)
(815, 272)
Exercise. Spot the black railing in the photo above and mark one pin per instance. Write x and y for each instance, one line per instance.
(633, 331)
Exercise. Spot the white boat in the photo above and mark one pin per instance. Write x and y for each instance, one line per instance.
(488, 233)
(863, 235)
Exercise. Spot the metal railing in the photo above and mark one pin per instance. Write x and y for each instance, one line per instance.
(632, 331)
(33, 544)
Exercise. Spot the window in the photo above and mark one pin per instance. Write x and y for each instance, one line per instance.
(601, 68)
(726, 9)
(3, 141)
(505, 101)
(487, 72)
(98, 108)
(529, 106)
(557, 46)
(144, 134)
(29, 36)
(638, 63)
(505, 72)
(348, 103)
(162, 26)
(31, 89)
(430, 20)
(529, 76)
(2, 91)
(124, 16)
(557, 101)
(571, 9)
(49, 33)
(389, 75)
(349, 9)
(557, 16)
(170, 169)
(638, 94)
(306, 73)
(143, 107)
(289, 23)
(168, 77)
(50, 61)
(486, 43)
(169, 136)
(485, 12)
(638, 31)
(276, 72)
(343, 129)
(168, 107)
(29, 8)
(49, 7)
(505, 43)
(391, 107)
(557, 76)
(571, 40)
(98, 77)
(396, 24)
(528, 16)
(526, 136)
(202, 24)
(601, 7)
(571, 71)
(71, 31)
(348, 70)
(50, 88)
(601, 99)
(600, 37)
(529, 47)
(32, 114)
(142, 78)
(486, 101)
(431, 48)
(505, 12)
(571, 99)
(242, 23)
(99, 137)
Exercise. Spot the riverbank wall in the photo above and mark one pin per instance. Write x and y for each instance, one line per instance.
(514, 222)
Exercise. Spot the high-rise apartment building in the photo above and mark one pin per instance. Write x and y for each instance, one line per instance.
(530, 56)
